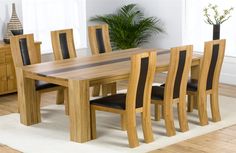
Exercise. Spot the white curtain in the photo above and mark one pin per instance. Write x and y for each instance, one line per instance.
(196, 31)
(42, 16)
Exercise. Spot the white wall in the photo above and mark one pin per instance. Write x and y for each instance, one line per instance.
(228, 73)
(5, 13)
(169, 11)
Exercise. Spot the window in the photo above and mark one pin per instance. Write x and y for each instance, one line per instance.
(42, 16)
(196, 31)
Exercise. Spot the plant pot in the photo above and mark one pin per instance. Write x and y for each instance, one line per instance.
(216, 31)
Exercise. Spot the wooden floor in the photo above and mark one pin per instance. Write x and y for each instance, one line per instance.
(222, 141)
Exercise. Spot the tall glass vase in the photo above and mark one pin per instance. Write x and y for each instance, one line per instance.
(216, 31)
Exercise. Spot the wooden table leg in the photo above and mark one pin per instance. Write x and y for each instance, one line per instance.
(195, 70)
(29, 109)
(79, 106)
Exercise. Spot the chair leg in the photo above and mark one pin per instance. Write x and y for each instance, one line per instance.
(123, 122)
(182, 115)
(162, 112)
(147, 127)
(93, 124)
(131, 129)
(169, 119)
(18, 106)
(202, 108)
(113, 88)
(158, 113)
(105, 89)
(96, 91)
(215, 111)
(109, 89)
(66, 101)
(60, 96)
(190, 103)
(38, 101)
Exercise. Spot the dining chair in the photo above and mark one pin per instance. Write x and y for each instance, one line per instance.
(174, 90)
(207, 82)
(99, 40)
(63, 44)
(137, 99)
(24, 53)
(63, 48)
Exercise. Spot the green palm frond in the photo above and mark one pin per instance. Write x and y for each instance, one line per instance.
(129, 28)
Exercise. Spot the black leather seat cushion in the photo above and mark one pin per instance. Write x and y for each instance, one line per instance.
(43, 85)
(192, 85)
(116, 101)
(158, 92)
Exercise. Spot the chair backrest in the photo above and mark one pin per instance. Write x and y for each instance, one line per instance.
(24, 51)
(211, 64)
(178, 72)
(143, 68)
(63, 44)
(99, 39)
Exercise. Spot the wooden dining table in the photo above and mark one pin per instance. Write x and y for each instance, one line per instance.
(78, 74)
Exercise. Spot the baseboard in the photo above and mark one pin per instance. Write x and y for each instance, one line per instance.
(228, 78)
(228, 73)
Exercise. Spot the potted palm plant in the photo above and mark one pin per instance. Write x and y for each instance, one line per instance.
(129, 28)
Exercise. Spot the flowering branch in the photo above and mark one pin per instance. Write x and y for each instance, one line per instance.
(213, 17)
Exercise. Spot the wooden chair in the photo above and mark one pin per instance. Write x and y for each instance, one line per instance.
(99, 40)
(63, 48)
(24, 53)
(174, 90)
(136, 100)
(63, 44)
(207, 82)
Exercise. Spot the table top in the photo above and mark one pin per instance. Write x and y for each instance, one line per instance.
(93, 68)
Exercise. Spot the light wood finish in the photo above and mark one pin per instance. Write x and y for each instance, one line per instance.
(221, 141)
(78, 104)
(225, 136)
(202, 92)
(5, 149)
(106, 88)
(56, 45)
(8, 103)
(23, 83)
(93, 38)
(98, 69)
(7, 69)
(169, 100)
(129, 114)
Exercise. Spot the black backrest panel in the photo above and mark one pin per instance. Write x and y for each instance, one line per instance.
(179, 74)
(100, 41)
(24, 51)
(142, 82)
(64, 46)
(212, 67)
